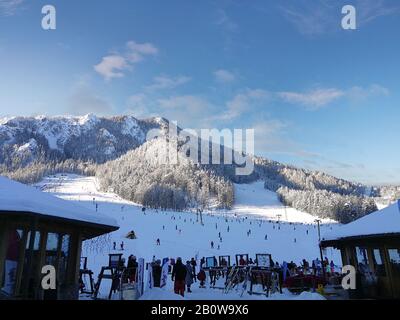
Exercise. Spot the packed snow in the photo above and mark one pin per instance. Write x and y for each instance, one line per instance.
(254, 200)
(381, 222)
(182, 235)
(17, 197)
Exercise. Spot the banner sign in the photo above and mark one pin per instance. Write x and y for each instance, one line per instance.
(164, 272)
(140, 276)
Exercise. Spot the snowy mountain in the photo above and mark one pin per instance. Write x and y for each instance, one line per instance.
(115, 149)
(87, 138)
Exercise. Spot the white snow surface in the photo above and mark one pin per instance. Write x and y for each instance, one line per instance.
(380, 222)
(15, 196)
(253, 199)
(182, 236)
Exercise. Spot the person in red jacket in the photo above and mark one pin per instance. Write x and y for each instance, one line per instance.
(178, 276)
(201, 276)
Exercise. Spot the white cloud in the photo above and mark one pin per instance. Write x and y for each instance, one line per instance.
(112, 67)
(314, 99)
(318, 17)
(188, 110)
(10, 7)
(359, 93)
(165, 82)
(319, 98)
(115, 65)
(242, 103)
(224, 76)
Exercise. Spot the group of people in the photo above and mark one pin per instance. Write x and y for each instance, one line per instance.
(183, 276)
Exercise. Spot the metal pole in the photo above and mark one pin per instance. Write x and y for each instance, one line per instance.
(320, 248)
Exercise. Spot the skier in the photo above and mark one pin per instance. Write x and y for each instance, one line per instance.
(158, 242)
(157, 273)
(212, 244)
(122, 246)
(202, 262)
(228, 229)
(189, 276)
(201, 276)
(194, 264)
(332, 266)
(178, 276)
(266, 237)
(132, 267)
(97, 207)
(114, 245)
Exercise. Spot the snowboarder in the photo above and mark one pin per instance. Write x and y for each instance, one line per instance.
(179, 276)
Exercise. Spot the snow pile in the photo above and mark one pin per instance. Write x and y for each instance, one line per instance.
(160, 294)
(17, 197)
(384, 221)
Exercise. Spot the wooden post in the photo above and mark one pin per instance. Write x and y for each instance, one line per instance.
(21, 260)
(41, 261)
(3, 250)
(74, 264)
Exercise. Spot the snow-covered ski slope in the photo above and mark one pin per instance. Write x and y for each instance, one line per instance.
(182, 236)
(253, 200)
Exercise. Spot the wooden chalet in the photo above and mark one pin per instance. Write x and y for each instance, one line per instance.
(38, 229)
(372, 245)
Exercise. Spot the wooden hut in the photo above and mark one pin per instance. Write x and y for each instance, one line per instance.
(38, 229)
(372, 245)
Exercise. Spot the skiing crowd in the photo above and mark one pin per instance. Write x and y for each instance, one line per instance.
(183, 275)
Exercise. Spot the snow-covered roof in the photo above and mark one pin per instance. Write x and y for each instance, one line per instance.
(17, 197)
(385, 221)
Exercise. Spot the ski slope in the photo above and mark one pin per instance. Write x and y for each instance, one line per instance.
(182, 236)
(253, 200)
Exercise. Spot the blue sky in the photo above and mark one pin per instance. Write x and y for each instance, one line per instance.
(318, 96)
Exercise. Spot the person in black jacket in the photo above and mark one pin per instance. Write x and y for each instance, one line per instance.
(178, 276)
(157, 273)
(194, 264)
(132, 267)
